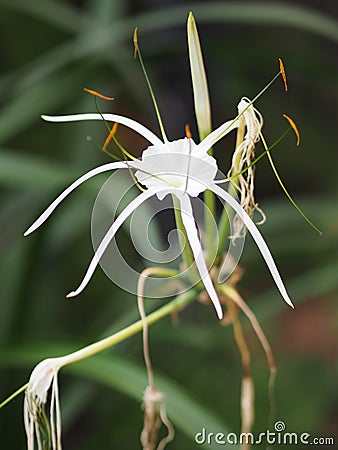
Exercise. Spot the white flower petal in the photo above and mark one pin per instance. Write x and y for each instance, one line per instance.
(190, 226)
(29, 424)
(44, 216)
(109, 236)
(43, 378)
(216, 135)
(130, 123)
(55, 415)
(258, 238)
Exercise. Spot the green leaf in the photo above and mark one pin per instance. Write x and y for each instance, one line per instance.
(104, 39)
(20, 170)
(26, 107)
(50, 12)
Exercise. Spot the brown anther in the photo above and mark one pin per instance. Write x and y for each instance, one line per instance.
(294, 127)
(283, 73)
(97, 94)
(187, 131)
(110, 136)
(135, 43)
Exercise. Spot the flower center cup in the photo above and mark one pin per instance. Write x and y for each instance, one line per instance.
(180, 165)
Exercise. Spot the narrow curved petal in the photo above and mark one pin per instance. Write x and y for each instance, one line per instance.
(44, 216)
(216, 135)
(130, 123)
(190, 226)
(258, 238)
(109, 236)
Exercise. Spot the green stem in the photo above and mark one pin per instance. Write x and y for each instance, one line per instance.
(15, 394)
(178, 303)
(255, 161)
(209, 217)
(153, 98)
(203, 118)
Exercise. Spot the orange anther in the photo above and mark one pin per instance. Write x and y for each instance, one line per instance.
(97, 94)
(135, 42)
(188, 132)
(110, 136)
(283, 73)
(294, 127)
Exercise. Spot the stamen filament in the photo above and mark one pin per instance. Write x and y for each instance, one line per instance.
(124, 154)
(284, 188)
(137, 53)
(251, 102)
(111, 135)
(255, 161)
(123, 150)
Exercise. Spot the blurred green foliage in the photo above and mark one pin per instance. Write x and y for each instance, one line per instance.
(50, 51)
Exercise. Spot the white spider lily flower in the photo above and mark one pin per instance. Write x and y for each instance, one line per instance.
(181, 168)
(41, 425)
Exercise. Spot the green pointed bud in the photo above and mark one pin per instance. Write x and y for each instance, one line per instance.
(199, 80)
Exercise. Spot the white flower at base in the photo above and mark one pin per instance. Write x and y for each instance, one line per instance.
(40, 424)
(180, 168)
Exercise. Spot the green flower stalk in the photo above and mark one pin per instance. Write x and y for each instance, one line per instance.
(203, 118)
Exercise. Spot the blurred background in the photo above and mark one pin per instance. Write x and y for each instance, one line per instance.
(50, 51)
